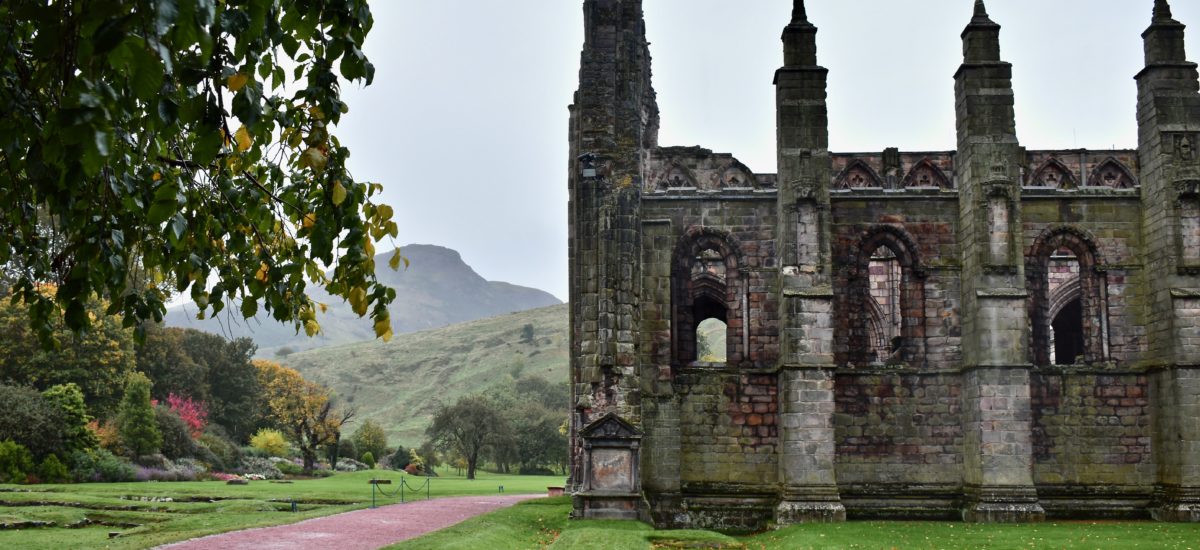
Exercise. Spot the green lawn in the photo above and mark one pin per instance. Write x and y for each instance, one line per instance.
(144, 518)
(543, 524)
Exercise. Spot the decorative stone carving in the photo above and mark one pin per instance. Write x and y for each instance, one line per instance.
(1113, 174)
(857, 175)
(927, 174)
(1054, 174)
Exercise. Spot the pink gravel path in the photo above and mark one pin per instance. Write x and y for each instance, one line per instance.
(360, 529)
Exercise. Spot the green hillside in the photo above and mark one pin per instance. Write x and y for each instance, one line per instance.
(400, 384)
(438, 289)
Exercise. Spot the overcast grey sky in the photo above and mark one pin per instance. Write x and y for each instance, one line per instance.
(466, 124)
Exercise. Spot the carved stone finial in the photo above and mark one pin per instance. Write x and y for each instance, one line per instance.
(981, 14)
(799, 14)
(1162, 11)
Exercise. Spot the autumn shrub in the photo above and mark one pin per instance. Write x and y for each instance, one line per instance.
(107, 436)
(270, 442)
(176, 435)
(193, 413)
(369, 460)
(16, 462)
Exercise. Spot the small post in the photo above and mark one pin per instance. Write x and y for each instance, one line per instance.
(296, 508)
(372, 496)
(428, 482)
(402, 484)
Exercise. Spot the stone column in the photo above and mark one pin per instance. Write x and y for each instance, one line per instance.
(997, 437)
(806, 456)
(614, 123)
(1168, 133)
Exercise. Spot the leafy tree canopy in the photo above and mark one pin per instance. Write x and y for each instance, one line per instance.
(302, 409)
(97, 361)
(185, 144)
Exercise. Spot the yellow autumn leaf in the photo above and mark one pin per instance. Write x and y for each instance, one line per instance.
(157, 176)
(358, 301)
(242, 137)
(394, 263)
(369, 247)
(236, 81)
(383, 328)
(339, 193)
(310, 220)
(263, 271)
(311, 327)
(324, 307)
(385, 212)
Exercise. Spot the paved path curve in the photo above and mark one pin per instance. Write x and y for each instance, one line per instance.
(357, 530)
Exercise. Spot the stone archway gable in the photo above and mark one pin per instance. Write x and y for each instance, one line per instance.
(746, 177)
(1065, 178)
(937, 177)
(678, 175)
(1123, 179)
(1078, 239)
(697, 238)
(883, 235)
(857, 166)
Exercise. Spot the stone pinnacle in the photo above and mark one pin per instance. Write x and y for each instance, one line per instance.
(981, 14)
(799, 14)
(1162, 10)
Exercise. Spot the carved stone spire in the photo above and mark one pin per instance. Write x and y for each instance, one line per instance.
(981, 14)
(799, 14)
(1162, 11)
(1164, 39)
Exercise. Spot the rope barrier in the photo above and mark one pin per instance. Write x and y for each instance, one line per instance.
(376, 486)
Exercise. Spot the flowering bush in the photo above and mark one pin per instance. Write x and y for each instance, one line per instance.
(270, 442)
(222, 476)
(194, 413)
(260, 466)
(254, 477)
(350, 465)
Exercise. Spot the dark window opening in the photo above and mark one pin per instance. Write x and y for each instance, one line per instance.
(1066, 334)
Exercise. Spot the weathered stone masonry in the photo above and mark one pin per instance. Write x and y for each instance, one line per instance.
(991, 333)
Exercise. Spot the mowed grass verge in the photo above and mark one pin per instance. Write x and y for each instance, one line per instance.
(543, 523)
(150, 514)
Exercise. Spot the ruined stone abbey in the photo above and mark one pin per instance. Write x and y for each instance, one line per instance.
(994, 333)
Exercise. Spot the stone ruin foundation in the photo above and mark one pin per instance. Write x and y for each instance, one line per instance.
(994, 333)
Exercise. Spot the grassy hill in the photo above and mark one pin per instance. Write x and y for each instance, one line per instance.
(438, 289)
(400, 384)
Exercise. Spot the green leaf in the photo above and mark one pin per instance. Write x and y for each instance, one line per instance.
(164, 205)
(249, 307)
(147, 74)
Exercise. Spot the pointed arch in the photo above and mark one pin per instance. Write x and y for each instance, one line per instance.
(706, 283)
(855, 338)
(1053, 173)
(677, 175)
(1112, 173)
(926, 174)
(1043, 305)
(857, 174)
(737, 176)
